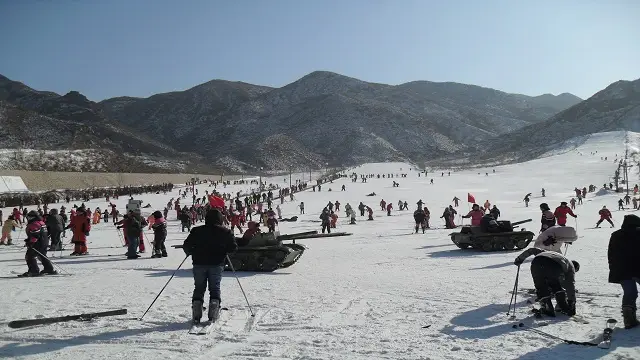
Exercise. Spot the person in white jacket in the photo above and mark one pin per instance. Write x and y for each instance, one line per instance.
(553, 237)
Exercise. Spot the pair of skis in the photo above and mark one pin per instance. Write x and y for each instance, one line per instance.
(607, 335)
(202, 328)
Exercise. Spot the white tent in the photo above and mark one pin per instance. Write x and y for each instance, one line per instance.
(12, 184)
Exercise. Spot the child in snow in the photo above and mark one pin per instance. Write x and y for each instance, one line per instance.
(7, 228)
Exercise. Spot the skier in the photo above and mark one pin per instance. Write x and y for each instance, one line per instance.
(334, 220)
(553, 275)
(337, 205)
(487, 205)
(419, 203)
(37, 243)
(132, 224)
(159, 235)
(370, 211)
(185, 219)
(271, 220)
(544, 193)
(624, 266)
(326, 220)
(208, 246)
(605, 214)
(389, 208)
(301, 206)
(548, 219)
(344, 188)
(573, 203)
(7, 228)
(400, 205)
(526, 200)
(383, 204)
(80, 226)
(561, 213)
(456, 201)
(361, 207)
(620, 205)
(55, 224)
(446, 215)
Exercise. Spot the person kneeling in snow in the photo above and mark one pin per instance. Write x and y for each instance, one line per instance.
(208, 246)
(553, 275)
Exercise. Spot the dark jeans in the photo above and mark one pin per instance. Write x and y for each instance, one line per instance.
(546, 275)
(207, 274)
(56, 243)
(630, 291)
(31, 257)
(133, 246)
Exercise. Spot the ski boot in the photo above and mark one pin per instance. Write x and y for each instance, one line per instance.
(629, 317)
(546, 307)
(196, 309)
(30, 274)
(48, 272)
(214, 310)
(164, 253)
(562, 305)
(156, 254)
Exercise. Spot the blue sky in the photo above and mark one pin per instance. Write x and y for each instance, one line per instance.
(106, 48)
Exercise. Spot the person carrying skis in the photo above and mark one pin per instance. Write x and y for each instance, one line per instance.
(159, 235)
(420, 218)
(475, 214)
(37, 243)
(624, 266)
(548, 219)
(208, 246)
(605, 214)
(553, 275)
(561, 213)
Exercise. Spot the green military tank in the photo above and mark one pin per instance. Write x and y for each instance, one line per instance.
(504, 238)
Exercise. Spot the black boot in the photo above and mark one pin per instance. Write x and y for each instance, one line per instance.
(196, 309)
(562, 304)
(546, 307)
(629, 317)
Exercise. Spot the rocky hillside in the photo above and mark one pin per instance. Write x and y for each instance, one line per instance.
(617, 107)
(327, 117)
(321, 118)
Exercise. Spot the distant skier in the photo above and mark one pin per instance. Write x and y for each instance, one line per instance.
(553, 274)
(325, 216)
(620, 205)
(543, 192)
(159, 235)
(301, 206)
(526, 200)
(361, 207)
(389, 208)
(370, 211)
(419, 203)
(456, 201)
(605, 214)
(495, 212)
(573, 203)
(208, 246)
(383, 205)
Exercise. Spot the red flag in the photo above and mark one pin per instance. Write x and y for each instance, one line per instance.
(470, 198)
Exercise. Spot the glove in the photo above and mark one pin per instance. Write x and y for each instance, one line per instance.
(550, 241)
(518, 262)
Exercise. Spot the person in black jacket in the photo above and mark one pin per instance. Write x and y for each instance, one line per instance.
(420, 217)
(208, 246)
(624, 266)
(185, 219)
(55, 225)
(326, 220)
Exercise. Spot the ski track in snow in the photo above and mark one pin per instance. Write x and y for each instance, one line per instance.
(365, 296)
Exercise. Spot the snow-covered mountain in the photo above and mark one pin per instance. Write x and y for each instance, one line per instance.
(617, 107)
(321, 118)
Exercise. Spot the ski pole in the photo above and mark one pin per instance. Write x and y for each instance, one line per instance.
(44, 256)
(165, 285)
(514, 295)
(566, 248)
(241, 289)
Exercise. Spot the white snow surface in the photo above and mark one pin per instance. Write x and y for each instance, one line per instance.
(365, 296)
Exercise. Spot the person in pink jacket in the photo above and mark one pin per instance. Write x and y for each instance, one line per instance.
(475, 214)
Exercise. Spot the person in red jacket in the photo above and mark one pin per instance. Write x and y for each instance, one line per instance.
(605, 214)
(389, 208)
(80, 227)
(561, 213)
(235, 221)
(383, 205)
(475, 214)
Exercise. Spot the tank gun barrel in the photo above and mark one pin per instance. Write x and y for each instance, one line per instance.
(521, 222)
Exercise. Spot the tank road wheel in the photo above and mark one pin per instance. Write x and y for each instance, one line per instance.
(488, 246)
(509, 245)
(521, 243)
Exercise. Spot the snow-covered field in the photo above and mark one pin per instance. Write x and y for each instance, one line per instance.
(367, 296)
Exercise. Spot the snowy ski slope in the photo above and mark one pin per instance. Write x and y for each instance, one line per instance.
(367, 296)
